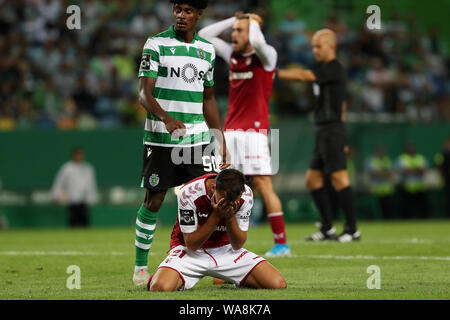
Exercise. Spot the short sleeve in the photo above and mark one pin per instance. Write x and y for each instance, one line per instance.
(327, 73)
(243, 214)
(187, 217)
(209, 76)
(150, 60)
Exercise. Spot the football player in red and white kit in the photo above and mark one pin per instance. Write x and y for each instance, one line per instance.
(208, 237)
(252, 66)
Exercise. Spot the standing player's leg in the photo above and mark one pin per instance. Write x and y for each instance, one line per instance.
(315, 182)
(321, 198)
(335, 163)
(158, 175)
(263, 185)
(341, 183)
(145, 228)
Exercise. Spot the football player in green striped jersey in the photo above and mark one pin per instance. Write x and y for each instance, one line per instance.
(176, 87)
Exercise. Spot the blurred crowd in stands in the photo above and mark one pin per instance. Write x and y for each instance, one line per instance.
(405, 179)
(55, 77)
(401, 185)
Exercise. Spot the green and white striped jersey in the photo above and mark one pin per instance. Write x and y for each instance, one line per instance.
(182, 70)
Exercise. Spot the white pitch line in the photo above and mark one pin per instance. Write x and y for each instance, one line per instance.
(371, 241)
(65, 253)
(304, 256)
(359, 257)
(57, 253)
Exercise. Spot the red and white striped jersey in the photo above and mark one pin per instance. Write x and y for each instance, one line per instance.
(194, 208)
(251, 76)
(250, 89)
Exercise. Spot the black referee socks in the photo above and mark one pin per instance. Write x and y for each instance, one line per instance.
(347, 204)
(323, 204)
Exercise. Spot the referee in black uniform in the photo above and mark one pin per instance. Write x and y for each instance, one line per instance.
(329, 155)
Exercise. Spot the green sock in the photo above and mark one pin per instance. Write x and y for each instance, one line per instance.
(145, 228)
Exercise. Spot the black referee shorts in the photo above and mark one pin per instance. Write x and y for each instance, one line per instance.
(167, 167)
(329, 155)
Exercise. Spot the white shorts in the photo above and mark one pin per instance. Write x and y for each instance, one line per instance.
(249, 152)
(221, 262)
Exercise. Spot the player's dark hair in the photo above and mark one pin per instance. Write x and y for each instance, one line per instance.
(198, 4)
(232, 182)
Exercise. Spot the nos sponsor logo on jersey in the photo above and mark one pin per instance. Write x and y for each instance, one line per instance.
(187, 217)
(189, 73)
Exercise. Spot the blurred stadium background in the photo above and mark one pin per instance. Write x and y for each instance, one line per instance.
(63, 88)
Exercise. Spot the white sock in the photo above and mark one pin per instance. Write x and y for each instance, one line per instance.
(139, 268)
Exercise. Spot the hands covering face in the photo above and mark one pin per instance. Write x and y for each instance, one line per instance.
(224, 208)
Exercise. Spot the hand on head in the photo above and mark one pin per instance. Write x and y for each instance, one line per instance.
(251, 16)
(224, 208)
(255, 17)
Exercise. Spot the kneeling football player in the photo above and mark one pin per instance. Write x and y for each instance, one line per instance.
(208, 238)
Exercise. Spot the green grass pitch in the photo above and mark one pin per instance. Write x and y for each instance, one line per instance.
(413, 257)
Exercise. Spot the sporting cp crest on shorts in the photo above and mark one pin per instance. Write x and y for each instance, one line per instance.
(153, 180)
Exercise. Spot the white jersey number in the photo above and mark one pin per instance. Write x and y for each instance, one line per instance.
(209, 163)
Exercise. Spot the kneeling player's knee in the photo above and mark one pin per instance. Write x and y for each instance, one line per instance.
(282, 283)
(278, 282)
(161, 286)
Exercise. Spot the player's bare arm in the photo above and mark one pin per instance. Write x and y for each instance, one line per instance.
(221, 209)
(236, 236)
(296, 74)
(146, 87)
(212, 119)
(195, 239)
